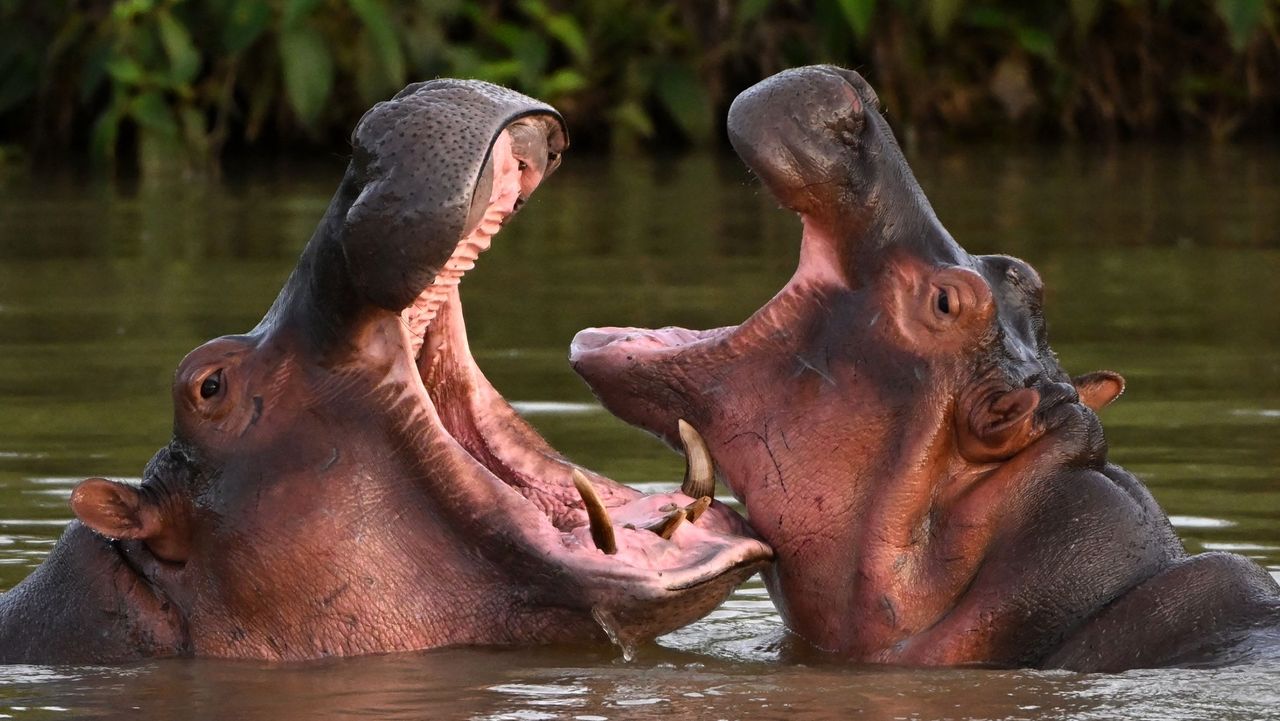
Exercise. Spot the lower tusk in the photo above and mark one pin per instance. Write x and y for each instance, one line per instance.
(699, 469)
(695, 510)
(668, 525)
(597, 516)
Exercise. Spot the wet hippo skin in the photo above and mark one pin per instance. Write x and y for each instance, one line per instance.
(934, 484)
(344, 480)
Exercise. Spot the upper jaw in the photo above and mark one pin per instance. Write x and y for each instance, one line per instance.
(640, 374)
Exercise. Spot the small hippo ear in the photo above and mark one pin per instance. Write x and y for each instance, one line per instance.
(1098, 389)
(119, 511)
(997, 429)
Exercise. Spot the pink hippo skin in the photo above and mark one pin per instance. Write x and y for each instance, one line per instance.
(933, 483)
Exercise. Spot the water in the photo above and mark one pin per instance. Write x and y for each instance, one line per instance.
(1162, 264)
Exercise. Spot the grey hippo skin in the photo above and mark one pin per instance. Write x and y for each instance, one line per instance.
(343, 480)
(934, 484)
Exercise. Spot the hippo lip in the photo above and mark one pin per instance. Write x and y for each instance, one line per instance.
(459, 401)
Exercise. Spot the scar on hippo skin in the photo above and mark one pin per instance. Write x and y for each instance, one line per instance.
(948, 496)
(344, 480)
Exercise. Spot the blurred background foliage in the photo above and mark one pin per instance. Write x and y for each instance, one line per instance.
(188, 81)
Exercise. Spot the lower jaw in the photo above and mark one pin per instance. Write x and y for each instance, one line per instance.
(483, 423)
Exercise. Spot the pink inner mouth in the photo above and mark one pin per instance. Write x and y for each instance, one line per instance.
(479, 420)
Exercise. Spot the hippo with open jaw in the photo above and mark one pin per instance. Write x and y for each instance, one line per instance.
(935, 487)
(343, 480)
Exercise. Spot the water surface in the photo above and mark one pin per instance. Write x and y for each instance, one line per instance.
(1161, 264)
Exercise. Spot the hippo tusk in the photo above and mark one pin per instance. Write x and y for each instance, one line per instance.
(695, 510)
(597, 516)
(667, 525)
(699, 469)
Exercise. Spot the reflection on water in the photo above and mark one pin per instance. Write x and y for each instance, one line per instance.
(1162, 265)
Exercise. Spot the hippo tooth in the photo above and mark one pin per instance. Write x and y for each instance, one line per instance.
(699, 469)
(666, 525)
(669, 524)
(597, 516)
(697, 508)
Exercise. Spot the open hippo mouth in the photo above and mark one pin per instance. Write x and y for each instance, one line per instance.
(641, 565)
(675, 541)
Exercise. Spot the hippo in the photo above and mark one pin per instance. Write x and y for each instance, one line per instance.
(343, 480)
(934, 484)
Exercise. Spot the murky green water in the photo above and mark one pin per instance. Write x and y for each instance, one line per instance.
(1162, 264)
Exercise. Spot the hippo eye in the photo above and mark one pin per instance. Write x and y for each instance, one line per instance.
(944, 302)
(523, 166)
(211, 385)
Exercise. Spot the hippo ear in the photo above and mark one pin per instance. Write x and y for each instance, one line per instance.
(1098, 389)
(119, 511)
(998, 428)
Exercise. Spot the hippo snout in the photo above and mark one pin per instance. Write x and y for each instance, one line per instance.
(801, 131)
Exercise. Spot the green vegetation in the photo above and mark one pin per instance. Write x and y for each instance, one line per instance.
(189, 79)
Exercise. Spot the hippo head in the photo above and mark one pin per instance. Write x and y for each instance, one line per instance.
(343, 479)
(863, 413)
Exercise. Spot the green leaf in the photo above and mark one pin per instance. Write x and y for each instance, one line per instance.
(631, 116)
(498, 71)
(295, 11)
(533, 55)
(859, 13)
(125, 70)
(942, 15)
(244, 24)
(749, 10)
(184, 59)
(308, 71)
(1036, 42)
(563, 82)
(385, 44)
(509, 34)
(535, 9)
(151, 111)
(1243, 18)
(126, 10)
(566, 30)
(106, 129)
(685, 100)
(988, 18)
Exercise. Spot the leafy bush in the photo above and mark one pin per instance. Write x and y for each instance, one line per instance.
(187, 78)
